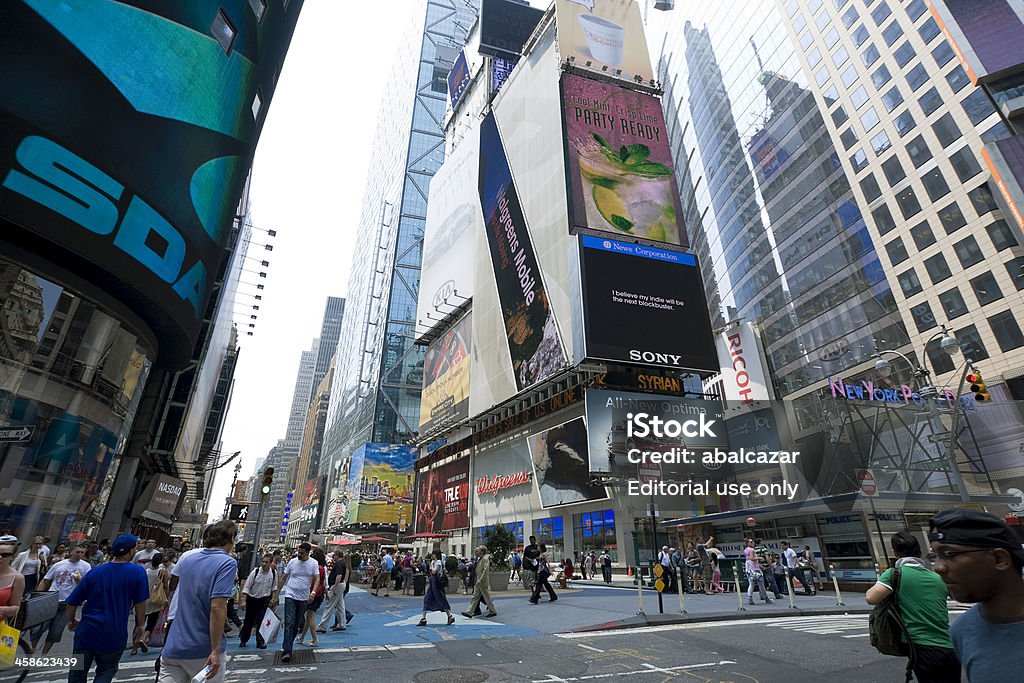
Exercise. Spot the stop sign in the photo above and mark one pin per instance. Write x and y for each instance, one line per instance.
(648, 472)
(867, 482)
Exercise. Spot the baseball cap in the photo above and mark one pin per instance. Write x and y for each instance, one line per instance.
(976, 529)
(123, 544)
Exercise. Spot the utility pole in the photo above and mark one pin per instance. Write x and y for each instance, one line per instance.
(231, 494)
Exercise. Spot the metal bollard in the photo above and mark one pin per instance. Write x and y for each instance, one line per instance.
(639, 593)
(679, 587)
(789, 587)
(835, 582)
(739, 593)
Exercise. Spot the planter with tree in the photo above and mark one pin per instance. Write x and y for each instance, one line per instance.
(500, 542)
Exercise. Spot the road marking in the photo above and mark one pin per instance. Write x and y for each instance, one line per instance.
(587, 647)
(858, 635)
(650, 669)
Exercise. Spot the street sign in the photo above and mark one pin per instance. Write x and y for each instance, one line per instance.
(866, 479)
(9, 434)
(649, 472)
(659, 570)
(239, 512)
(660, 585)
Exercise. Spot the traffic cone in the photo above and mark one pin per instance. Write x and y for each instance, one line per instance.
(629, 571)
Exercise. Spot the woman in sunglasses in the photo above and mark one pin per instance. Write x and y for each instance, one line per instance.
(31, 563)
(12, 583)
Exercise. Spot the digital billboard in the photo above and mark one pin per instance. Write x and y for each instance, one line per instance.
(380, 481)
(126, 131)
(530, 328)
(644, 306)
(442, 498)
(505, 26)
(445, 395)
(561, 465)
(604, 33)
(619, 162)
(458, 79)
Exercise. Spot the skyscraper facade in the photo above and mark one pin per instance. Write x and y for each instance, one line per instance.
(330, 329)
(301, 395)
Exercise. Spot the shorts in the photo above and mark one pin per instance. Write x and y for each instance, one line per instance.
(315, 605)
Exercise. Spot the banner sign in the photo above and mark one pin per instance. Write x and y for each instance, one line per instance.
(533, 340)
(561, 464)
(501, 69)
(458, 79)
(594, 34)
(739, 355)
(442, 502)
(445, 396)
(505, 26)
(619, 162)
(380, 484)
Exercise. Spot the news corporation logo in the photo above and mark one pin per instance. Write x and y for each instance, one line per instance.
(606, 244)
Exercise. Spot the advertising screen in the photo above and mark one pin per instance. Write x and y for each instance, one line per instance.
(442, 500)
(561, 465)
(505, 25)
(124, 147)
(604, 33)
(644, 306)
(380, 482)
(445, 396)
(530, 328)
(619, 162)
(458, 79)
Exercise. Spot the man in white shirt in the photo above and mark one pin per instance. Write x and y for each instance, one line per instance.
(144, 556)
(790, 557)
(298, 587)
(63, 576)
(259, 589)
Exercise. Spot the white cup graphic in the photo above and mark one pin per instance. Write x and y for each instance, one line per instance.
(605, 39)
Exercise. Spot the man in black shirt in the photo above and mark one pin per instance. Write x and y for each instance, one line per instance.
(337, 583)
(530, 555)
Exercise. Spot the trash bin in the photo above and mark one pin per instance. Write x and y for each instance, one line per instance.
(419, 584)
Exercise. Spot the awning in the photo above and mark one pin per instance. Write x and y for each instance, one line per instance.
(155, 517)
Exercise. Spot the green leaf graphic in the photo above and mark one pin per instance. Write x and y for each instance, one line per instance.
(623, 224)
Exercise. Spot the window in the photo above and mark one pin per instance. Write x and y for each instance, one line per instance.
(917, 77)
(850, 17)
(258, 8)
(880, 142)
(897, 252)
(870, 188)
(892, 33)
(869, 119)
(806, 39)
(942, 54)
(923, 235)
(859, 160)
(1001, 236)
(952, 218)
(904, 53)
(934, 184)
(893, 170)
(953, 303)
(907, 201)
(982, 199)
(946, 130)
(1015, 268)
(918, 151)
(929, 30)
(881, 76)
(986, 288)
(938, 269)
(941, 361)
(869, 56)
(822, 76)
(970, 343)
(840, 3)
(978, 106)
(923, 316)
(881, 13)
(905, 123)
(859, 97)
(839, 116)
(223, 31)
(997, 132)
(915, 9)
(860, 36)
(1006, 330)
(849, 76)
(883, 219)
(551, 533)
(840, 57)
(930, 101)
(791, 8)
(968, 251)
(957, 79)
(831, 94)
(257, 104)
(814, 58)
(909, 283)
(831, 38)
(964, 164)
(892, 98)
(596, 531)
(821, 21)
(849, 138)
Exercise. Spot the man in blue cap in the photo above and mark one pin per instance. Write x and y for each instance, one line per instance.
(109, 592)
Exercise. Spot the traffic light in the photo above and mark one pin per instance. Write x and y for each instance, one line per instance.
(978, 388)
(268, 480)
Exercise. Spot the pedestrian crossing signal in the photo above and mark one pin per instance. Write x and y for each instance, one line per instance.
(978, 388)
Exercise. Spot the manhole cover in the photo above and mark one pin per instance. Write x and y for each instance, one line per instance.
(450, 676)
(299, 657)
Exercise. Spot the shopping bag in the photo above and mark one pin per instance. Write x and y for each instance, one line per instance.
(8, 644)
(270, 627)
(158, 635)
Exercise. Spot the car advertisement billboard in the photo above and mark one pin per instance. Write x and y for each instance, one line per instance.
(380, 480)
(644, 306)
(445, 395)
(505, 26)
(442, 498)
(606, 36)
(530, 328)
(619, 162)
(561, 465)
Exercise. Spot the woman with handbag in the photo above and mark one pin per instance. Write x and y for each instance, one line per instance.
(543, 574)
(12, 587)
(158, 580)
(435, 600)
(31, 564)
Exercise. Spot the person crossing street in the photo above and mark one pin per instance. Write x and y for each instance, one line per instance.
(482, 588)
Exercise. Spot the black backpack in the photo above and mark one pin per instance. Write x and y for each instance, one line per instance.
(888, 632)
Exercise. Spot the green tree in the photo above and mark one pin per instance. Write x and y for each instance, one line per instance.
(500, 542)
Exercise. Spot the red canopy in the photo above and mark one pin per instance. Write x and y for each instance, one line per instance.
(343, 541)
(374, 539)
(425, 534)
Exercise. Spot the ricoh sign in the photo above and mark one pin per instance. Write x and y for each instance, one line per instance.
(742, 372)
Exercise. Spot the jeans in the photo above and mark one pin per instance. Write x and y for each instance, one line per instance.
(106, 666)
(335, 607)
(770, 584)
(255, 610)
(294, 618)
(936, 665)
(756, 578)
(607, 573)
(801, 573)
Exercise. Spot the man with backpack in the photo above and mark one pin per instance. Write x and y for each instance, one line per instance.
(920, 597)
(255, 597)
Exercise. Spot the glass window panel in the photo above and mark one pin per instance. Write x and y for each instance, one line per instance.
(986, 288)
(953, 303)
(840, 4)
(258, 8)
(905, 123)
(881, 76)
(831, 38)
(859, 97)
(909, 283)
(915, 9)
(971, 344)
(814, 58)
(923, 316)
(897, 251)
(906, 199)
(223, 31)
(917, 77)
(831, 94)
(1015, 268)
(822, 76)
(881, 13)
(860, 36)
(859, 160)
(1001, 235)
(893, 170)
(840, 57)
(839, 116)
(850, 76)
(942, 54)
(870, 187)
(918, 151)
(952, 218)
(883, 219)
(870, 55)
(850, 17)
(806, 39)
(935, 184)
(996, 133)
(892, 98)
(938, 269)
(923, 235)
(1006, 330)
(958, 79)
(869, 119)
(965, 164)
(880, 142)
(904, 53)
(978, 106)
(982, 199)
(930, 101)
(968, 251)
(929, 30)
(821, 21)
(849, 138)
(892, 33)
(791, 8)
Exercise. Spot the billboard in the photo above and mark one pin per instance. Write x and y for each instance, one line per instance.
(125, 136)
(503, 488)
(458, 79)
(530, 329)
(644, 306)
(501, 69)
(505, 26)
(561, 465)
(308, 505)
(739, 355)
(162, 496)
(450, 234)
(380, 484)
(605, 36)
(445, 396)
(610, 442)
(442, 500)
(619, 162)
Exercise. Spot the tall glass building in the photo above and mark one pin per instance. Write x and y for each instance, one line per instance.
(376, 393)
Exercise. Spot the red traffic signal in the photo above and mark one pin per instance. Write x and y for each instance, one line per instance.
(978, 388)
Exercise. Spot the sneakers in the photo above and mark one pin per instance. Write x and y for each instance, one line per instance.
(553, 598)
(491, 614)
(261, 646)
(286, 657)
(533, 602)
(337, 628)
(467, 614)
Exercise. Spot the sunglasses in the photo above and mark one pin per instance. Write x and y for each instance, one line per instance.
(6, 555)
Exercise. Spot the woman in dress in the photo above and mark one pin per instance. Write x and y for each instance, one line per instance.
(31, 564)
(156, 576)
(435, 599)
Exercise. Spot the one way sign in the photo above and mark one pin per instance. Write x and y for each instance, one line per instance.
(239, 512)
(16, 433)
